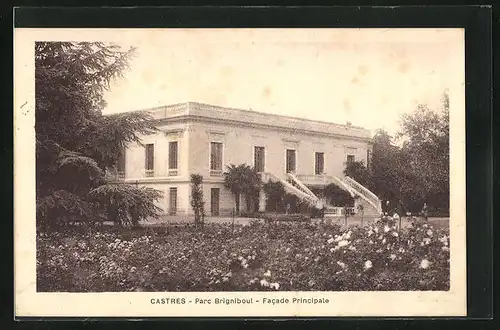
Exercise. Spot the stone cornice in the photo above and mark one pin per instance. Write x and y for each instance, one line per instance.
(193, 111)
(188, 118)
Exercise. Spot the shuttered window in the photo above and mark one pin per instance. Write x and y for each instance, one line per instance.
(259, 159)
(319, 166)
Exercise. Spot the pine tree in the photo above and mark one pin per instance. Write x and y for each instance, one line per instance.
(76, 144)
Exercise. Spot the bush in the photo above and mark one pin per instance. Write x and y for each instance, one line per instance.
(288, 256)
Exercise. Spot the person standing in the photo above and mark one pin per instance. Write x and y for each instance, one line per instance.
(425, 212)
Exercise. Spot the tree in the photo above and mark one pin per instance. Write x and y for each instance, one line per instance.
(275, 193)
(358, 172)
(425, 156)
(76, 144)
(197, 203)
(385, 168)
(242, 179)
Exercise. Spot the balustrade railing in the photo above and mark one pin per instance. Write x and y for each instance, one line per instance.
(290, 188)
(365, 193)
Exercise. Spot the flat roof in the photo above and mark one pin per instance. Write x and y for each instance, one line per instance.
(222, 114)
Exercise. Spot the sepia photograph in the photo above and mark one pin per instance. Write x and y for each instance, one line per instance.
(177, 163)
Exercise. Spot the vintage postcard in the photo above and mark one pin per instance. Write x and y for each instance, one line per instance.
(239, 172)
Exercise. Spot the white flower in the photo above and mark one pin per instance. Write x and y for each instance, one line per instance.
(348, 235)
(424, 264)
(383, 241)
(275, 286)
(268, 273)
(429, 232)
(330, 241)
(445, 248)
(240, 258)
(370, 233)
(341, 264)
(386, 228)
(401, 250)
(427, 240)
(371, 242)
(376, 229)
(395, 233)
(343, 243)
(392, 256)
(287, 250)
(264, 283)
(368, 264)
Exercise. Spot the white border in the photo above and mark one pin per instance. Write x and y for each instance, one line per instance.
(30, 303)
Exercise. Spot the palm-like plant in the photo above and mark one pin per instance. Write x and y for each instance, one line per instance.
(242, 179)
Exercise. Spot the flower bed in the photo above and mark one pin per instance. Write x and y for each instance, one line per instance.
(258, 257)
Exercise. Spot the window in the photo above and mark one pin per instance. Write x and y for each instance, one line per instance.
(173, 201)
(259, 159)
(173, 154)
(214, 201)
(150, 159)
(120, 165)
(290, 160)
(350, 158)
(319, 166)
(216, 158)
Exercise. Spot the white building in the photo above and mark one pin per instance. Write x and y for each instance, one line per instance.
(204, 139)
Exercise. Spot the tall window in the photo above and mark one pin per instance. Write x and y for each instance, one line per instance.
(173, 154)
(173, 201)
(319, 166)
(216, 158)
(290, 160)
(350, 158)
(120, 165)
(259, 159)
(150, 159)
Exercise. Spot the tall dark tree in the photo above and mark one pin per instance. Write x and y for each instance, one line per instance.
(75, 143)
(384, 171)
(425, 156)
(197, 203)
(358, 172)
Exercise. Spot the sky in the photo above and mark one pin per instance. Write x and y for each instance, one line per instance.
(369, 77)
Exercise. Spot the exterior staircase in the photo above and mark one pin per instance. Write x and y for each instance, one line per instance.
(372, 205)
(295, 189)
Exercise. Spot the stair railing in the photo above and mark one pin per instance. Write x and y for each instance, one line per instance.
(312, 200)
(365, 193)
(301, 185)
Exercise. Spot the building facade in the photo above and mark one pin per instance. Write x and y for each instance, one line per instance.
(195, 138)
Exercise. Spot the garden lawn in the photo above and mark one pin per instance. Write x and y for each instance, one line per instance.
(279, 256)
